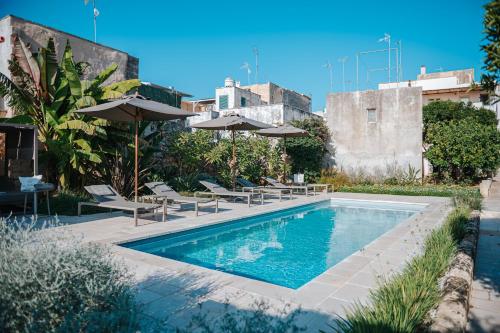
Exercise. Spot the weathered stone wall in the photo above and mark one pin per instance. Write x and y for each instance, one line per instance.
(375, 129)
(274, 94)
(451, 313)
(99, 56)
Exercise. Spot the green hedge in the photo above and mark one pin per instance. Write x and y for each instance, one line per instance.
(418, 190)
(403, 302)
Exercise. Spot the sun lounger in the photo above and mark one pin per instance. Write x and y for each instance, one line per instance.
(276, 184)
(306, 187)
(165, 192)
(107, 197)
(217, 190)
(247, 185)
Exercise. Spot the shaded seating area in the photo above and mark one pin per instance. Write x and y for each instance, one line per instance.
(218, 191)
(165, 193)
(248, 186)
(107, 197)
(19, 158)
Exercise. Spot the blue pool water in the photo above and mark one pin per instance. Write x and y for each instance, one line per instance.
(287, 248)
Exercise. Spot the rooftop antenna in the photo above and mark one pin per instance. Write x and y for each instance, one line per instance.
(96, 13)
(387, 39)
(249, 71)
(343, 60)
(329, 66)
(255, 51)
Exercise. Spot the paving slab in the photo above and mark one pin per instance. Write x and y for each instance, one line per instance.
(484, 312)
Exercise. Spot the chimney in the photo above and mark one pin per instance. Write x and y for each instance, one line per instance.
(423, 70)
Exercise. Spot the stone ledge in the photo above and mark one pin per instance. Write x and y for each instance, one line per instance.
(451, 313)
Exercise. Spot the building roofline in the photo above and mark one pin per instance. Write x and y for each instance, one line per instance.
(169, 89)
(446, 90)
(277, 85)
(201, 100)
(65, 32)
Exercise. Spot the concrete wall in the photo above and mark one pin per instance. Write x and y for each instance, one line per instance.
(395, 137)
(201, 117)
(234, 97)
(99, 56)
(273, 94)
(275, 114)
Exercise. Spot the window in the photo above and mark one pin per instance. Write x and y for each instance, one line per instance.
(243, 102)
(223, 102)
(372, 115)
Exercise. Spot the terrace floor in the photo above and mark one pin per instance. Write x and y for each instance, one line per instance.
(177, 291)
(484, 312)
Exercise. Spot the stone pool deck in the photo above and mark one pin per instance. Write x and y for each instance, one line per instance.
(177, 291)
(484, 312)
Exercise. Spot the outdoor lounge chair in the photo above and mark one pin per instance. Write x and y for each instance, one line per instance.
(305, 187)
(247, 185)
(162, 191)
(217, 190)
(276, 184)
(107, 197)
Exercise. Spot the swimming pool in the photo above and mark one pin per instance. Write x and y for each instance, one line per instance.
(289, 247)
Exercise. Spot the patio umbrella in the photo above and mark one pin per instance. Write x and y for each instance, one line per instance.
(232, 122)
(284, 131)
(135, 109)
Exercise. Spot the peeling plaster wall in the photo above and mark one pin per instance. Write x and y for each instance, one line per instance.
(394, 138)
(275, 114)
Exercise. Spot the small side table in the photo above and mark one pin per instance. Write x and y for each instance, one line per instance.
(39, 188)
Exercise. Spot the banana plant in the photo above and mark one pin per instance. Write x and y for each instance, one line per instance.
(46, 93)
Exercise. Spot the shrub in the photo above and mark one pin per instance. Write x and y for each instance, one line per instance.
(50, 281)
(463, 141)
(402, 303)
(446, 111)
(334, 177)
(417, 190)
(463, 149)
(307, 153)
(65, 202)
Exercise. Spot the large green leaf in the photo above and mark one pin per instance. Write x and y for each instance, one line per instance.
(118, 89)
(70, 72)
(84, 102)
(18, 99)
(84, 145)
(101, 77)
(61, 93)
(77, 124)
(23, 56)
(19, 119)
(47, 63)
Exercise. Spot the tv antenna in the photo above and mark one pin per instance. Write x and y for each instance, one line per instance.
(343, 61)
(96, 13)
(329, 66)
(387, 39)
(246, 66)
(255, 51)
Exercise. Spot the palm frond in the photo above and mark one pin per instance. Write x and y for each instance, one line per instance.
(17, 100)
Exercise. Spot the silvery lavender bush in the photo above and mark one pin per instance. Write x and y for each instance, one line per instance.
(51, 281)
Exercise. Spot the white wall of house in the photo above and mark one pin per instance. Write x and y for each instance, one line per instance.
(375, 129)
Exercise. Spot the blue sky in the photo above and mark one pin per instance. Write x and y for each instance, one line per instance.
(194, 45)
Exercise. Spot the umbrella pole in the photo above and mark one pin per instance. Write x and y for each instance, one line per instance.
(136, 177)
(284, 162)
(233, 164)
